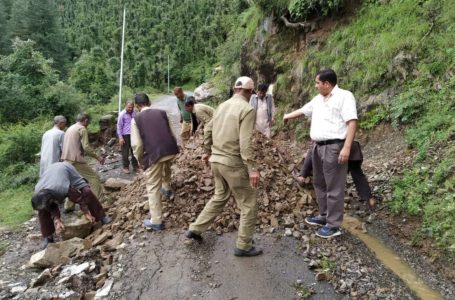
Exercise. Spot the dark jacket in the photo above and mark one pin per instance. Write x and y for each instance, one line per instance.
(153, 126)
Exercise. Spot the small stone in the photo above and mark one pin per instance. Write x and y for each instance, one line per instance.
(42, 278)
(288, 232)
(321, 276)
(296, 234)
(18, 289)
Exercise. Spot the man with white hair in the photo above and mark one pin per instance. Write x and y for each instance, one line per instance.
(228, 143)
(51, 144)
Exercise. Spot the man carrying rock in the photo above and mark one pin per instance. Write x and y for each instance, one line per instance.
(124, 136)
(185, 117)
(265, 110)
(155, 145)
(75, 148)
(202, 113)
(61, 180)
(51, 144)
(228, 142)
(333, 125)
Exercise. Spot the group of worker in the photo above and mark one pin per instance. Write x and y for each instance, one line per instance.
(150, 136)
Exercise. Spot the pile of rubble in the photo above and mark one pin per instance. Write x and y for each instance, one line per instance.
(282, 203)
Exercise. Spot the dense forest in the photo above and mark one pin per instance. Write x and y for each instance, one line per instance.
(397, 56)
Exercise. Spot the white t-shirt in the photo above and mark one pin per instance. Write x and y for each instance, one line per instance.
(329, 114)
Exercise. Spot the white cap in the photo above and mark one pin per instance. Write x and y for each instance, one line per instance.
(244, 83)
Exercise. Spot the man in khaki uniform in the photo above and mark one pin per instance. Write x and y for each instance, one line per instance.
(155, 145)
(202, 112)
(228, 142)
(75, 148)
(185, 117)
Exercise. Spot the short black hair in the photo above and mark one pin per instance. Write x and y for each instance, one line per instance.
(328, 75)
(190, 101)
(41, 199)
(141, 99)
(262, 87)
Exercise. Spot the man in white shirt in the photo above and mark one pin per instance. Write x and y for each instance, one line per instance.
(333, 125)
(51, 144)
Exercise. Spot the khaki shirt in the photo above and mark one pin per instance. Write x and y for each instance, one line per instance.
(76, 145)
(228, 137)
(204, 113)
(138, 145)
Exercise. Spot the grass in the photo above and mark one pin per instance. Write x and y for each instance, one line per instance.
(302, 291)
(16, 207)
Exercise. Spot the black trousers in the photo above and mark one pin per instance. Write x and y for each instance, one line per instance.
(126, 149)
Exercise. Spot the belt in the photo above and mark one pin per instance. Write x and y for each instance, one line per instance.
(330, 142)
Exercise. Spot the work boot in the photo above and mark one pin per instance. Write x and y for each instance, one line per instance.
(150, 226)
(194, 236)
(246, 253)
(46, 241)
(166, 193)
(106, 220)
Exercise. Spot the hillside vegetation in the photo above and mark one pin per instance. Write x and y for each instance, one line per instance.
(398, 58)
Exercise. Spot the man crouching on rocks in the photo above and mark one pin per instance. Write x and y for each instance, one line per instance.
(61, 180)
(228, 142)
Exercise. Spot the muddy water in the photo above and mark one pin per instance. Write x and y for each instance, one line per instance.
(391, 260)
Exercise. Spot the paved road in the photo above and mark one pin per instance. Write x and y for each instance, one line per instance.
(160, 266)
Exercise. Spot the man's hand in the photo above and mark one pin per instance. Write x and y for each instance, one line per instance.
(59, 227)
(285, 119)
(101, 159)
(254, 178)
(272, 123)
(205, 158)
(121, 141)
(89, 217)
(344, 155)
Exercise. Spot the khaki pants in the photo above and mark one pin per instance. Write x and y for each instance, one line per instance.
(229, 180)
(93, 180)
(156, 176)
(186, 131)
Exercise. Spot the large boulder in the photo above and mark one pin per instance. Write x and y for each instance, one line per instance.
(76, 227)
(205, 92)
(116, 183)
(58, 253)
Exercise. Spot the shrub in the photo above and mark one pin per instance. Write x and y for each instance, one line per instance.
(302, 9)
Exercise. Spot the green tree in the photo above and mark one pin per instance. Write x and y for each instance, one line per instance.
(27, 78)
(93, 75)
(38, 21)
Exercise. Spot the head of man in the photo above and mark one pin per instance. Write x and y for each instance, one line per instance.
(178, 92)
(129, 106)
(262, 90)
(189, 104)
(326, 80)
(141, 100)
(60, 122)
(244, 86)
(83, 118)
(42, 199)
